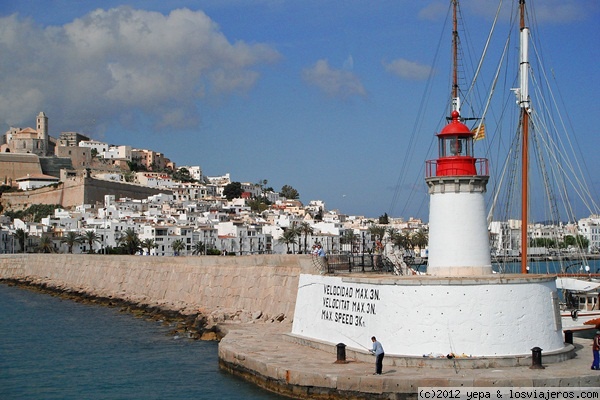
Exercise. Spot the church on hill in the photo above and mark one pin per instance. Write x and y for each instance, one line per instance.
(29, 140)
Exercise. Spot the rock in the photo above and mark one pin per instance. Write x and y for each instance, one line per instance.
(209, 336)
(256, 315)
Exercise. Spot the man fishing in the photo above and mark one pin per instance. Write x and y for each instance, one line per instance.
(377, 351)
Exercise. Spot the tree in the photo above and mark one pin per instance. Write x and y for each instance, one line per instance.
(420, 239)
(45, 245)
(130, 241)
(90, 237)
(402, 240)
(288, 237)
(258, 205)
(21, 236)
(183, 175)
(71, 239)
(148, 244)
(233, 190)
(377, 231)
(306, 229)
(33, 213)
(177, 246)
(348, 237)
(198, 248)
(289, 192)
(578, 241)
(543, 242)
(384, 219)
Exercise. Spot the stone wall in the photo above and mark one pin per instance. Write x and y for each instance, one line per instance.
(75, 191)
(13, 166)
(265, 284)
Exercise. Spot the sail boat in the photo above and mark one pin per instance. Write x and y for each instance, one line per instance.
(536, 135)
(541, 145)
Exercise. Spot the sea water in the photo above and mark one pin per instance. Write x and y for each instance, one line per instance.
(52, 348)
(550, 267)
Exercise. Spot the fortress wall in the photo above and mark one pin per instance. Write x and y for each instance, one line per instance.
(96, 189)
(76, 191)
(13, 166)
(265, 283)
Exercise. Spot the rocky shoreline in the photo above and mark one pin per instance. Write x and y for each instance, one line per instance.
(186, 322)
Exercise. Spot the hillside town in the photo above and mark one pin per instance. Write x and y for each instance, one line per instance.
(115, 199)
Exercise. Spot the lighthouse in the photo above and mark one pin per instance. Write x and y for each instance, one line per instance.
(458, 234)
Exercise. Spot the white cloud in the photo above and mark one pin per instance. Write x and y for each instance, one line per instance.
(121, 64)
(408, 69)
(334, 82)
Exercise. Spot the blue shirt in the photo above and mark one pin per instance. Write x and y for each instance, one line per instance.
(377, 348)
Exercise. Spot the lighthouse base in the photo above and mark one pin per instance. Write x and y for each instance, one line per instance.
(432, 317)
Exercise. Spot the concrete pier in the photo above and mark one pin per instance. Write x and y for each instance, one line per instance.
(269, 357)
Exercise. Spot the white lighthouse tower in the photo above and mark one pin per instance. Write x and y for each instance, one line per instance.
(457, 183)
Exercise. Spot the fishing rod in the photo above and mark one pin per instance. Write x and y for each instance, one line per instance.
(364, 347)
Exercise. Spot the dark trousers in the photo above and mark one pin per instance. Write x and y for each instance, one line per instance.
(379, 363)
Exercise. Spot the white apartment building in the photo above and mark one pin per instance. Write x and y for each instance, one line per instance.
(117, 152)
(155, 180)
(590, 229)
(100, 147)
(195, 172)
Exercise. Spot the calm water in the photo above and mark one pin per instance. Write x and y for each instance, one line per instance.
(58, 349)
(550, 267)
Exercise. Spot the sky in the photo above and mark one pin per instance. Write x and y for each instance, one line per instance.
(325, 96)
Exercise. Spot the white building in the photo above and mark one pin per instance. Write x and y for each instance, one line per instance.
(589, 228)
(117, 152)
(100, 147)
(35, 181)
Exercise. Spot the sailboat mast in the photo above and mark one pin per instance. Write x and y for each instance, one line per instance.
(455, 99)
(524, 104)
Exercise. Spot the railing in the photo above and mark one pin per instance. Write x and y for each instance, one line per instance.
(354, 263)
(481, 167)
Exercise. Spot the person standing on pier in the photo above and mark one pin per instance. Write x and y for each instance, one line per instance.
(377, 351)
(596, 351)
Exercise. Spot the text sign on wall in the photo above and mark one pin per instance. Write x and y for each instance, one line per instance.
(347, 304)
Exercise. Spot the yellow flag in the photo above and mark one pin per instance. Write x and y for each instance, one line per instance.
(479, 132)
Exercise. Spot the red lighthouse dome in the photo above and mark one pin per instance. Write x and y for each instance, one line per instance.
(455, 143)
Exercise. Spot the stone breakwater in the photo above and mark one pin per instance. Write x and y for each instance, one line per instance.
(205, 291)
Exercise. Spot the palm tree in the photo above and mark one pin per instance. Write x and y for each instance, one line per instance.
(420, 239)
(90, 237)
(295, 232)
(177, 246)
(148, 244)
(198, 248)
(348, 237)
(21, 238)
(306, 229)
(378, 231)
(71, 239)
(45, 245)
(402, 240)
(288, 237)
(130, 241)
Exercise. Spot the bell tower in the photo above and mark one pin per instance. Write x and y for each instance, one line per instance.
(41, 127)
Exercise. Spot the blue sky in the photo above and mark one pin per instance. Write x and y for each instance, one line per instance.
(325, 96)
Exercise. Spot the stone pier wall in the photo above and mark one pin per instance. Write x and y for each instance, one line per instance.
(261, 284)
